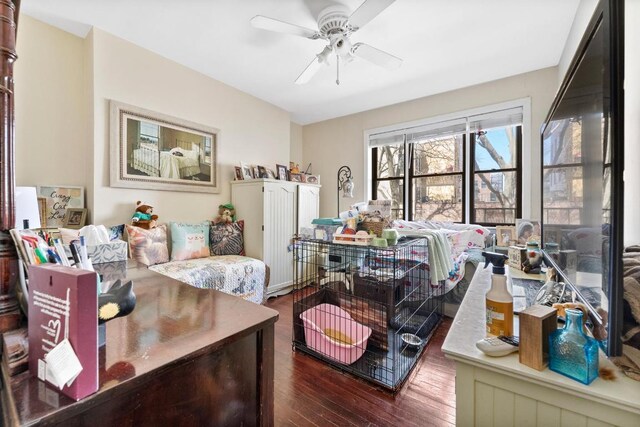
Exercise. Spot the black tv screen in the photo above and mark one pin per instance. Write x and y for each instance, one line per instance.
(581, 180)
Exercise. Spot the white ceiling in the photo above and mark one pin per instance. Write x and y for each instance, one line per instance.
(445, 44)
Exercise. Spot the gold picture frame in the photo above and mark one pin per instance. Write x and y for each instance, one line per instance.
(505, 235)
(75, 218)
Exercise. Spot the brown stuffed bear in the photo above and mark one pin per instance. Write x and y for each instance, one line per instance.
(226, 214)
(143, 217)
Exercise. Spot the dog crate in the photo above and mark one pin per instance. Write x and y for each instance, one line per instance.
(367, 310)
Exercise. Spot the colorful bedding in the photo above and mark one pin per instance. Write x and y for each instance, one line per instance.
(233, 274)
(459, 239)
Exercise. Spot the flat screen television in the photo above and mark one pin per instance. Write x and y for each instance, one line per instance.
(582, 164)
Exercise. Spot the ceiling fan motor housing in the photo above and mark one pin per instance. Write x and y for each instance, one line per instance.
(333, 21)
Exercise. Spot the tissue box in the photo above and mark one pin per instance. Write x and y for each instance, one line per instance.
(108, 252)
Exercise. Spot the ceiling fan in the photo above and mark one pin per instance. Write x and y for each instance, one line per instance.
(336, 25)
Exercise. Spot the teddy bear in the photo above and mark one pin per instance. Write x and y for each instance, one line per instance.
(143, 217)
(226, 214)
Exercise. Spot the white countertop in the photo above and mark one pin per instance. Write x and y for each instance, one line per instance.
(468, 327)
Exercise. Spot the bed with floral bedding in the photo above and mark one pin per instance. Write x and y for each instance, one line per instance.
(203, 255)
(233, 274)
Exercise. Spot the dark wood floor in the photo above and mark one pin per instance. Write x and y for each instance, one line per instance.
(309, 392)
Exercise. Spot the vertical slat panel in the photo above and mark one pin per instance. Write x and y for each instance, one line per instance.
(484, 404)
(571, 419)
(503, 407)
(547, 415)
(525, 411)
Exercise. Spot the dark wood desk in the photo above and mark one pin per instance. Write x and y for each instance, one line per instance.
(185, 356)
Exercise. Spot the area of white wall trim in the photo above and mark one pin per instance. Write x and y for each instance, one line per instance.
(525, 103)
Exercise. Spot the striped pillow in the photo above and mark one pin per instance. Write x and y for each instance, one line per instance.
(226, 239)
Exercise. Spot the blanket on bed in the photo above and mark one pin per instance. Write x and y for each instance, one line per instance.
(233, 274)
(448, 247)
(629, 362)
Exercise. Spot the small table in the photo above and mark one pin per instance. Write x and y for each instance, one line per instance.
(184, 356)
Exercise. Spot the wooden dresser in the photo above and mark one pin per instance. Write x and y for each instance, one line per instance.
(185, 356)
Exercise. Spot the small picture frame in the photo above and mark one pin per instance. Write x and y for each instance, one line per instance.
(247, 172)
(313, 179)
(75, 218)
(505, 235)
(262, 172)
(256, 172)
(42, 208)
(282, 172)
(295, 177)
(528, 230)
(271, 174)
(238, 175)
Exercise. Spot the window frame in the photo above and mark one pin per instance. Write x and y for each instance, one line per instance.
(412, 176)
(468, 174)
(473, 172)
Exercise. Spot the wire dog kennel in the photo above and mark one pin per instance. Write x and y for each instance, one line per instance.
(366, 310)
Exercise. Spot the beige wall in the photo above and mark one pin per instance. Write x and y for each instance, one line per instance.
(296, 144)
(578, 27)
(62, 125)
(340, 141)
(51, 115)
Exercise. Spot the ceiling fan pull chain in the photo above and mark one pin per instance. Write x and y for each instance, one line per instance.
(338, 69)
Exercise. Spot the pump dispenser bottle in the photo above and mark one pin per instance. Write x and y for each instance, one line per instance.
(499, 301)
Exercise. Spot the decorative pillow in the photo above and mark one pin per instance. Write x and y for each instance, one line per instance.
(226, 239)
(116, 232)
(148, 247)
(68, 235)
(189, 241)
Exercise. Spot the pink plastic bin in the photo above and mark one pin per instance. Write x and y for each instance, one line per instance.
(323, 316)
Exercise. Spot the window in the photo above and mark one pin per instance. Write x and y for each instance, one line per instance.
(425, 170)
(496, 167)
(149, 132)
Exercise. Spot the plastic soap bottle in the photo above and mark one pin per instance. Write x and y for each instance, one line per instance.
(499, 301)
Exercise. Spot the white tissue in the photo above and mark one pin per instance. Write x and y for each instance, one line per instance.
(95, 234)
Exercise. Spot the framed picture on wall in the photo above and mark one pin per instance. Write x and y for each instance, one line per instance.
(154, 151)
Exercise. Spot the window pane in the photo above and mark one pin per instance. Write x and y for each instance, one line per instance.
(495, 197)
(438, 198)
(392, 190)
(438, 155)
(390, 161)
(563, 142)
(496, 148)
(563, 195)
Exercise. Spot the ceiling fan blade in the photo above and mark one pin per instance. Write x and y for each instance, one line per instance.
(309, 72)
(376, 56)
(367, 11)
(278, 26)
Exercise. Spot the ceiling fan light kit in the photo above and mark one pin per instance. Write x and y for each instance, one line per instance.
(336, 25)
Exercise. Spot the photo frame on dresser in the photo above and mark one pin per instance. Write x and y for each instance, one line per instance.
(155, 151)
